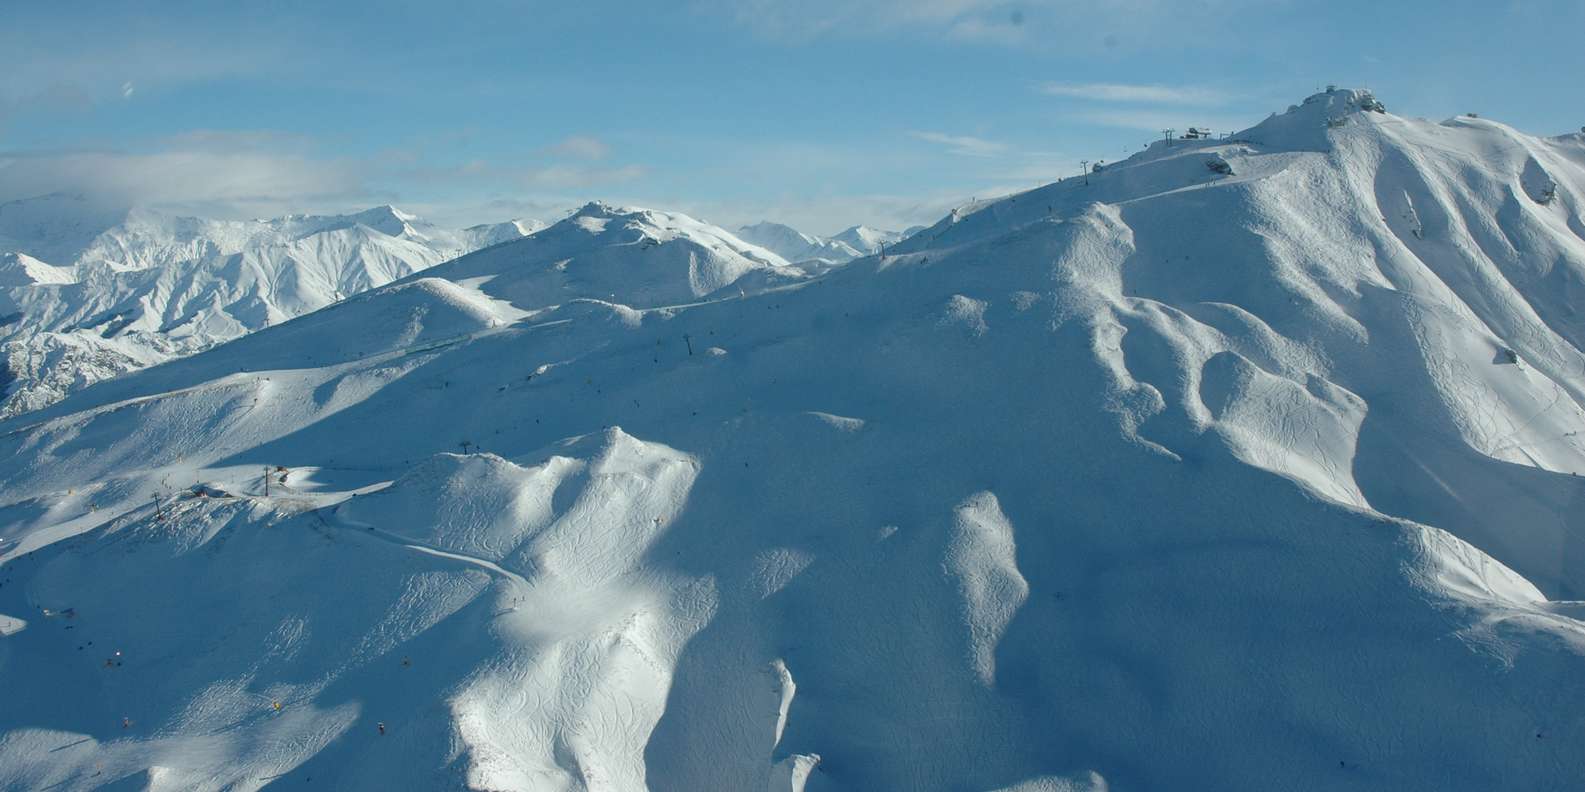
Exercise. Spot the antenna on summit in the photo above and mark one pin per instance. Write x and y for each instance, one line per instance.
(1167, 134)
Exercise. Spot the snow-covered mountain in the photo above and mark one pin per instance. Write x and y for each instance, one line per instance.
(631, 257)
(132, 288)
(55, 228)
(868, 240)
(796, 246)
(1252, 464)
(20, 269)
(487, 234)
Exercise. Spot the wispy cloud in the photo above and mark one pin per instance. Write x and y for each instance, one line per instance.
(781, 19)
(965, 145)
(262, 172)
(1134, 93)
(580, 147)
(574, 176)
(239, 181)
(227, 141)
(1009, 30)
(466, 212)
(484, 174)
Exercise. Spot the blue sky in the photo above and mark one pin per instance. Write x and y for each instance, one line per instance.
(819, 113)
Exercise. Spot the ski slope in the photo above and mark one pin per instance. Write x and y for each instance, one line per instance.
(1252, 464)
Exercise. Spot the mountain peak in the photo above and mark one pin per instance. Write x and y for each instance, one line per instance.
(603, 209)
(386, 219)
(866, 239)
(795, 245)
(20, 269)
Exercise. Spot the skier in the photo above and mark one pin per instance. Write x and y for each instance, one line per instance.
(381, 727)
(277, 705)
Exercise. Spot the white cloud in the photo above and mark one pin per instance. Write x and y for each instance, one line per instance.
(989, 31)
(484, 174)
(782, 19)
(964, 145)
(243, 182)
(261, 172)
(1127, 93)
(571, 176)
(466, 212)
(580, 147)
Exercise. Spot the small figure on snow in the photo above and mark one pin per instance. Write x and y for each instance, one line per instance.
(381, 727)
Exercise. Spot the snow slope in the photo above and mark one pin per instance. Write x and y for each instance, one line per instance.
(134, 288)
(1182, 479)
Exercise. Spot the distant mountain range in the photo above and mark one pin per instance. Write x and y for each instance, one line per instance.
(797, 246)
(88, 292)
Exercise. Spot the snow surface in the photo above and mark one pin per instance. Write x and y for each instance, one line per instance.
(1178, 480)
(127, 289)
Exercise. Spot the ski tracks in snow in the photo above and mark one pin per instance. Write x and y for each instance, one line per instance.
(401, 541)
